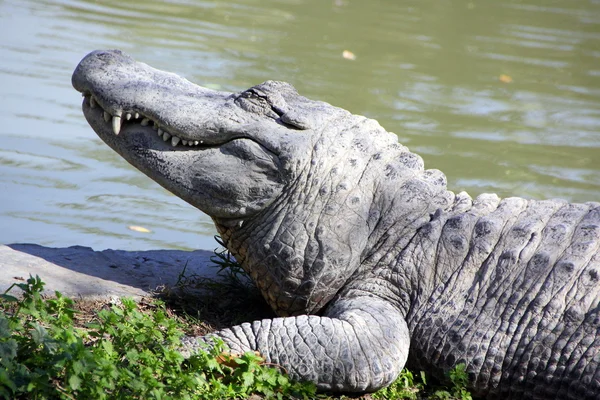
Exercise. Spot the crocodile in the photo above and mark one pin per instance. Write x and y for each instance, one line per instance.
(369, 261)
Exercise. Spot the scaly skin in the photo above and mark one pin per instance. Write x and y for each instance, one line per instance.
(367, 258)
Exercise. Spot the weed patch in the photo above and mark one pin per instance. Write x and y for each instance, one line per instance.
(55, 348)
(409, 387)
(123, 353)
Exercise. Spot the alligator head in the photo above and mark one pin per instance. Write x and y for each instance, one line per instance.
(223, 153)
(289, 182)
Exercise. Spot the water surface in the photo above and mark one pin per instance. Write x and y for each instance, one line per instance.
(502, 96)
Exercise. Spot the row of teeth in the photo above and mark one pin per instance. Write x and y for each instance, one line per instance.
(117, 121)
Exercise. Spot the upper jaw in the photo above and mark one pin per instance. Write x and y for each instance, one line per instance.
(122, 95)
(119, 118)
(129, 92)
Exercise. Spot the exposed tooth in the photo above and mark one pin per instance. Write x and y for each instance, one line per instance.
(190, 143)
(116, 125)
(174, 141)
(196, 143)
(160, 132)
(92, 102)
(202, 141)
(185, 142)
(137, 115)
(155, 127)
(145, 122)
(166, 136)
(106, 116)
(127, 116)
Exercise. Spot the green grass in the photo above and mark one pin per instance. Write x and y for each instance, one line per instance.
(123, 354)
(128, 350)
(411, 388)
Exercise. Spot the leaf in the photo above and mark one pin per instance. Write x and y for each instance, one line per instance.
(247, 378)
(133, 355)
(137, 228)
(6, 381)
(442, 395)
(8, 351)
(108, 347)
(282, 380)
(38, 333)
(5, 331)
(229, 359)
(74, 382)
(8, 297)
(77, 367)
(212, 364)
(348, 55)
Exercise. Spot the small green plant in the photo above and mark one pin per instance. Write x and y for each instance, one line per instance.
(458, 391)
(228, 265)
(231, 272)
(404, 387)
(407, 386)
(229, 298)
(125, 353)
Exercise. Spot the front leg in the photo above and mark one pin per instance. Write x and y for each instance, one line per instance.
(360, 344)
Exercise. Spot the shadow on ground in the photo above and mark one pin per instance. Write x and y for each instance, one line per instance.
(82, 272)
(188, 281)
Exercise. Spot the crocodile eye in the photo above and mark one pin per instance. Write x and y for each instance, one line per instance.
(253, 102)
(252, 95)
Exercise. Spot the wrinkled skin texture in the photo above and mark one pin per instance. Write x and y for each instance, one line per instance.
(367, 258)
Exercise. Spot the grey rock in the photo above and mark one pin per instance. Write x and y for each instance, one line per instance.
(81, 272)
(368, 259)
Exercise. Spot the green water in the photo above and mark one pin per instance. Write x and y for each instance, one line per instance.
(434, 72)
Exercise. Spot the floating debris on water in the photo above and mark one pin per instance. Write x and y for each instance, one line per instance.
(139, 229)
(348, 55)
